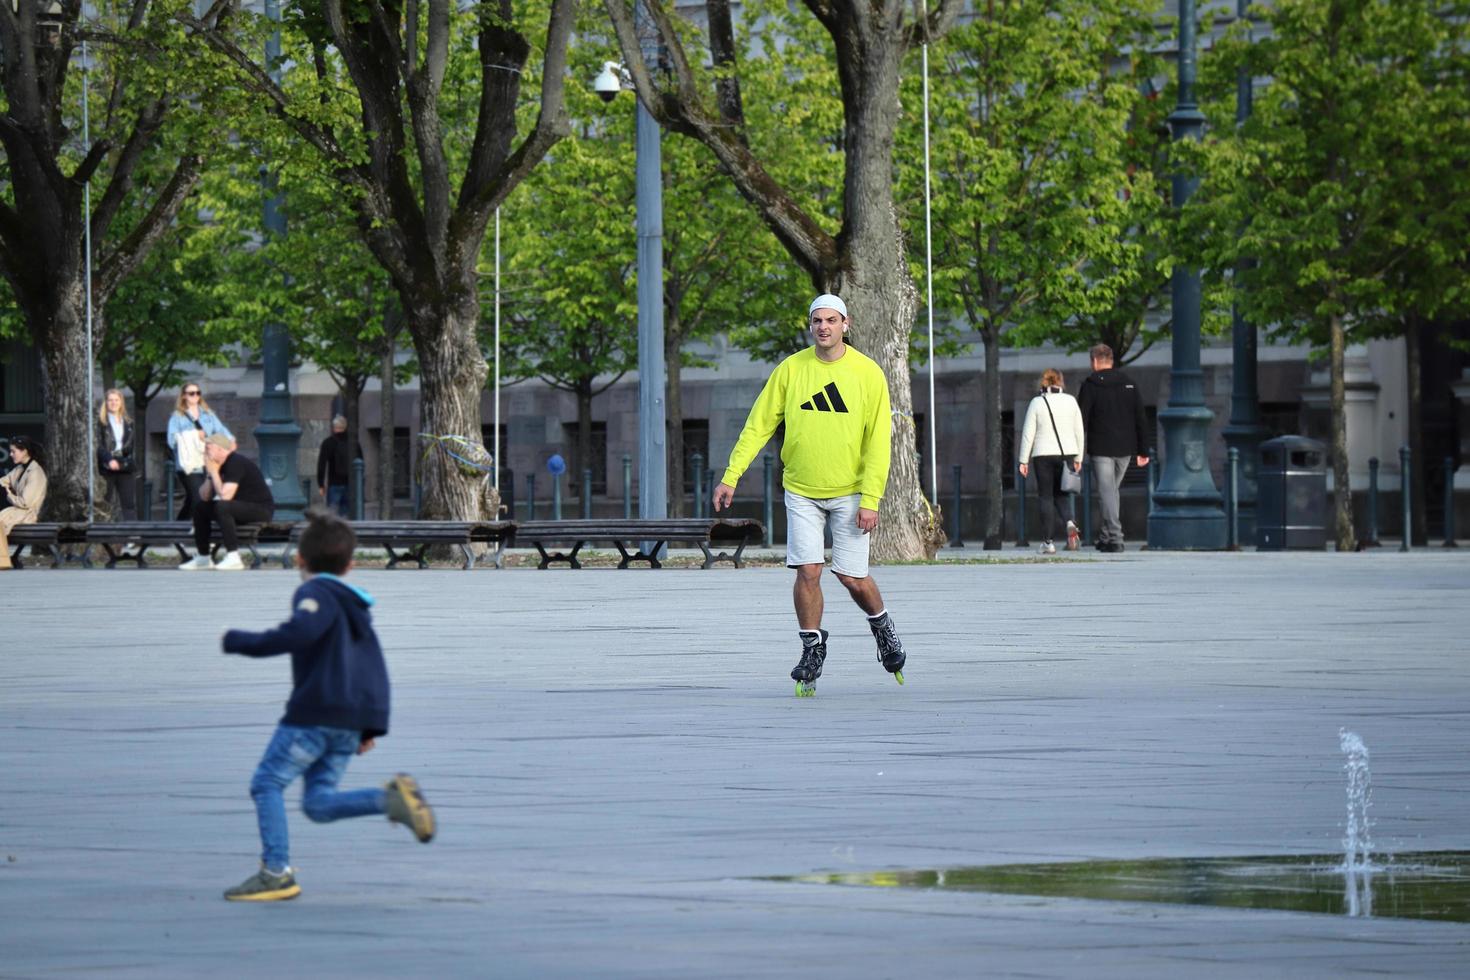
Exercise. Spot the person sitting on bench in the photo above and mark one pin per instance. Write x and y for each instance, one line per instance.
(234, 492)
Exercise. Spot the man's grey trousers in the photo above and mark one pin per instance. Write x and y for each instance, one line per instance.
(1108, 471)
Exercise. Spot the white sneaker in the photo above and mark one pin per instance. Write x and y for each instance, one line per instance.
(230, 562)
(1047, 548)
(199, 563)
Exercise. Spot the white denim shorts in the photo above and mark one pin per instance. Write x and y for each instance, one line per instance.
(807, 518)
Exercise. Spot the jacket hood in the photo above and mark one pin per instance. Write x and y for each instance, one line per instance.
(355, 603)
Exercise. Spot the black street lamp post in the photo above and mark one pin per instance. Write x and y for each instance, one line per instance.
(1244, 433)
(277, 435)
(1187, 513)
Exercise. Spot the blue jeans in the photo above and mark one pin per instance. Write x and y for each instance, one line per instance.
(322, 754)
(337, 499)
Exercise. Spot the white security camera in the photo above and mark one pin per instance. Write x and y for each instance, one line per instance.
(609, 82)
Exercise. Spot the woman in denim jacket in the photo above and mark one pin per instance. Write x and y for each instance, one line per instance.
(191, 423)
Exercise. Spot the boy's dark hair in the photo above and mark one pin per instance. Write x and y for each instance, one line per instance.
(327, 544)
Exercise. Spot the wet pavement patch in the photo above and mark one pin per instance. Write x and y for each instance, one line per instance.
(1418, 885)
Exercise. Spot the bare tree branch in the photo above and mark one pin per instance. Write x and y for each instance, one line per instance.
(118, 264)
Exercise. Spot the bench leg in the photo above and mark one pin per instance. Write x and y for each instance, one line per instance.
(469, 556)
(710, 558)
(498, 556)
(548, 558)
(640, 555)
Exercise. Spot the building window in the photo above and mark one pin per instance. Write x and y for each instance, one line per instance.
(1280, 418)
(598, 462)
(499, 447)
(696, 440)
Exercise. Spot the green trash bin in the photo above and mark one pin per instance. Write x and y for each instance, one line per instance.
(1291, 495)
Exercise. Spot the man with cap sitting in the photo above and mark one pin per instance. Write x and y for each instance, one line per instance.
(234, 492)
(834, 402)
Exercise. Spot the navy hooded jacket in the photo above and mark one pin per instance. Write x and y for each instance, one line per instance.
(339, 677)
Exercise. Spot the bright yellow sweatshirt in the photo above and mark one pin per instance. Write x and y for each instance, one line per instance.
(838, 427)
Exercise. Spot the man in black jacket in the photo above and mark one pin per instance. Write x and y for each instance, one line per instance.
(1112, 413)
(333, 469)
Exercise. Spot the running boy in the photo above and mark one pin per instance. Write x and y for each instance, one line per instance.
(338, 706)
(834, 401)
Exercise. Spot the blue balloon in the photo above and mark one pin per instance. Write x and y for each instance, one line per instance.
(556, 464)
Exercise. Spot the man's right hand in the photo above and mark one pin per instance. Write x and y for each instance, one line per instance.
(724, 494)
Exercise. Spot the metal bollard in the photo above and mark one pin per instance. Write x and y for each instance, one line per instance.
(1151, 478)
(954, 518)
(359, 472)
(1449, 502)
(587, 493)
(1406, 492)
(1232, 504)
(147, 509)
(627, 486)
(1086, 500)
(530, 496)
(171, 479)
(556, 496)
(768, 464)
(1021, 488)
(1371, 539)
(696, 469)
(306, 490)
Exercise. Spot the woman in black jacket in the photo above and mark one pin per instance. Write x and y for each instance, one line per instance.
(115, 452)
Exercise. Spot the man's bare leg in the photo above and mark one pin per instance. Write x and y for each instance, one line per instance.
(808, 597)
(864, 592)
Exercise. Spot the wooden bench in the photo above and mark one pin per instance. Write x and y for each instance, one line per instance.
(624, 532)
(48, 538)
(411, 540)
(117, 539)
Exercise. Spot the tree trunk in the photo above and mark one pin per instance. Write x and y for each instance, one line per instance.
(67, 394)
(995, 495)
(1342, 494)
(451, 377)
(1417, 475)
(385, 444)
(584, 438)
(674, 410)
(881, 295)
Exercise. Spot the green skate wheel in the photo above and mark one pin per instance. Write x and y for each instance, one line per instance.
(804, 690)
(898, 676)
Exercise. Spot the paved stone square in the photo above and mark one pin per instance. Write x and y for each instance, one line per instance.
(617, 759)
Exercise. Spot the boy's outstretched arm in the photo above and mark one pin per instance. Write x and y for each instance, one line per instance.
(304, 628)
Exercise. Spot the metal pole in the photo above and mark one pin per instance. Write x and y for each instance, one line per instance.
(768, 464)
(696, 466)
(1406, 493)
(359, 472)
(954, 517)
(627, 486)
(1372, 537)
(1187, 513)
(652, 466)
(170, 479)
(1232, 511)
(530, 496)
(556, 496)
(277, 435)
(147, 509)
(1449, 502)
(929, 278)
(495, 450)
(87, 265)
(587, 493)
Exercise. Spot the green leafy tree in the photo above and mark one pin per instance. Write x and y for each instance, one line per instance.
(837, 220)
(412, 108)
(1342, 170)
(149, 131)
(1034, 198)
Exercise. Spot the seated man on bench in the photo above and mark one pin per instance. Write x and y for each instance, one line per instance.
(234, 492)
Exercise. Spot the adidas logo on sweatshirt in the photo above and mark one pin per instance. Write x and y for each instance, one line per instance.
(832, 402)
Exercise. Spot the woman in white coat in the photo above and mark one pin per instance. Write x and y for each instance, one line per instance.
(1052, 438)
